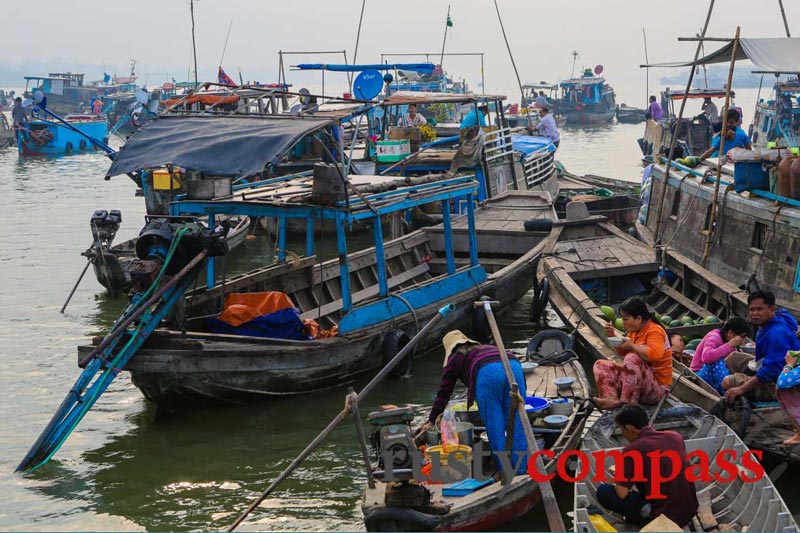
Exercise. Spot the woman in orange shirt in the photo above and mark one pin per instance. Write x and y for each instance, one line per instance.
(645, 375)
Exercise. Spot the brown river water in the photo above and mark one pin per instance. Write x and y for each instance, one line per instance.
(124, 468)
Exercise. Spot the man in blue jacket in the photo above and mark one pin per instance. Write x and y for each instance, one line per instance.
(777, 334)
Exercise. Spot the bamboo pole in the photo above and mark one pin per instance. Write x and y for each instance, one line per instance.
(513, 64)
(677, 130)
(647, 61)
(721, 154)
(444, 39)
(548, 496)
(783, 16)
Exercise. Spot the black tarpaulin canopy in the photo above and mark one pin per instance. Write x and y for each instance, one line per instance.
(779, 55)
(219, 146)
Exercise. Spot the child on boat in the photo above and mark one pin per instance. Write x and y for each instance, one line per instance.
(789, 394)
(645, 374)
(709, 358)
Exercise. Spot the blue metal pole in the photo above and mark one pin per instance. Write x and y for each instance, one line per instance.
(344, 267)
(380, 257)
(282, 223)
(211, 263)
(448, 237)
(310, 236)
(483, 187)
(473, 238)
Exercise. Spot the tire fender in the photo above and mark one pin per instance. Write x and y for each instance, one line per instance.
(68, 148)
(392, 344)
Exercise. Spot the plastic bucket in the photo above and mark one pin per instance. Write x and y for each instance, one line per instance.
(447, 474)
(536, 405)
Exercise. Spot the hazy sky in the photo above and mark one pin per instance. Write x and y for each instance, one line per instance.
(542, 34)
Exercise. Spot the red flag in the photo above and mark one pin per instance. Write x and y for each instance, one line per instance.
(224, 79)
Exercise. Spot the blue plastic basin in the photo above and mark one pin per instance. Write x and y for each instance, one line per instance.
(535, 403)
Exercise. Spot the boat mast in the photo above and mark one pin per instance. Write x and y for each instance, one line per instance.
(574, 59)
(513, 64)
(358, 38)
(444, 39)
(194, 46)
(720, 153)
(647, 61)
(783, 15)
(676, 129)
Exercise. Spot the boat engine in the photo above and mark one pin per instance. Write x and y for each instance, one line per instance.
(393, 441)
(156, 240)
(104, 226)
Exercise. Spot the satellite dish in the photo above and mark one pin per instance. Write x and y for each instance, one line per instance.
(368, 85)
(295, 110)
(598, 69)
(38, 96)
(141, 96)
(305, 96)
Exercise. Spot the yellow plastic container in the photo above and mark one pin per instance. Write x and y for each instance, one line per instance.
(461, 452)
(161, 180)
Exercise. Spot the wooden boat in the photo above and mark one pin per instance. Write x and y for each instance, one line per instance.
(593, 263)
(752, 232)
(630, 115)
(733, 506)
(587, 100)
(376, 297)
(47, 137)
(621, 207)
(492, 506)
(111, 264)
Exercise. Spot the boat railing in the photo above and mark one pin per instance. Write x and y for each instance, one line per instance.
(498, 144)
(368, 209)
(538, 166)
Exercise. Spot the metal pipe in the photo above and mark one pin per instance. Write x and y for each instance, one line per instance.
(444, 311)
(358, 36)
(83, 273)
(721, 152)
(444, 39)
(783, 16)
(352, 403)
(677, 130)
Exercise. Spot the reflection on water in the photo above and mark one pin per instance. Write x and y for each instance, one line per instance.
(124, 470)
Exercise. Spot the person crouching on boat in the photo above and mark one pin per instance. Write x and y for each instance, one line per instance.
(777, 334)
(709, 358)
(680, 495)
(735, 137)
(645, 374)
(480, 368)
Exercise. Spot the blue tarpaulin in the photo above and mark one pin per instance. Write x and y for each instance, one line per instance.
(424, 68)
(529, 144)
(283, 324)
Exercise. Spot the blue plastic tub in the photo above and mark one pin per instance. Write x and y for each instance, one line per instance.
(750, 176)
(534, 404)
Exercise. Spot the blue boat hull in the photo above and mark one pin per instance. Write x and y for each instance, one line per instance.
(47, 138)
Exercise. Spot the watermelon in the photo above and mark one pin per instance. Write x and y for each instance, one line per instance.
(608, 312)
(711, 320)
(665, 320)
(618, 324)
(687, 320)
(692, 344)
(676, 324)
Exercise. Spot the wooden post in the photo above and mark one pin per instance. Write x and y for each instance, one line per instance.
(548, 496)
(721, 153)
(675, 133)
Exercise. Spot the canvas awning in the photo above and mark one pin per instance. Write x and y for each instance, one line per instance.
(420, 97)
(218, 146)
(778, 55)
(424, 68)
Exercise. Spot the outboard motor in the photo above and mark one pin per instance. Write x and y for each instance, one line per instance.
(104, 225)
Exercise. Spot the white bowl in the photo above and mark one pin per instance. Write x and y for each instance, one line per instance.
(529, 367)
(556, 421)
(616, 342)
(564, 383)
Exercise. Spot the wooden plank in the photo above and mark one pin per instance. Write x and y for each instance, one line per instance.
(704, 512)
(695, 308)
(368, 292)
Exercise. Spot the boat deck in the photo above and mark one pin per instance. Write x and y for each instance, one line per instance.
(604, 255)
(508, 211)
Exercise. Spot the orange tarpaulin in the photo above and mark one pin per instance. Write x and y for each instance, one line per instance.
(207, 99)
(244, 307)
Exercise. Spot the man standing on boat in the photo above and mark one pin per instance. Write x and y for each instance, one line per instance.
(735, 137)
(18, 114)
(542, 100)
(412, 118)
(710, 110)
(680, 503)
(547, 126)
(654, 110)
(777, 334)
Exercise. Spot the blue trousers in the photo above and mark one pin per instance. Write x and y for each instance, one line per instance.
(492, 394)
(630, 507)
(714, 373)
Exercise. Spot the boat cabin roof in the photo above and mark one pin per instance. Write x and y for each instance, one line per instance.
(415, 97)
(230, 145)
(589, 80)
(678, 94)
